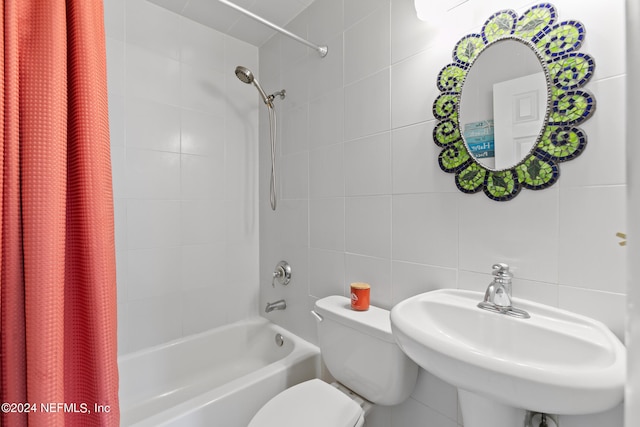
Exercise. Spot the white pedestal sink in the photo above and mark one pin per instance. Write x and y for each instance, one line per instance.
(555, 362)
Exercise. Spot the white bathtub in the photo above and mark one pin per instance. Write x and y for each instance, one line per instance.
(219, 378)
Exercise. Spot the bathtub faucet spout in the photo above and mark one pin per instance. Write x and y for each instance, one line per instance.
(278, 305)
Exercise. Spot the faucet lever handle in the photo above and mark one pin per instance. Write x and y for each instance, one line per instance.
(502, 270)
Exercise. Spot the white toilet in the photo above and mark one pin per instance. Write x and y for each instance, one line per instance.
(358, 349)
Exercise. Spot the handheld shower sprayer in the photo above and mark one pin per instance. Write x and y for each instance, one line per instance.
(246, 76)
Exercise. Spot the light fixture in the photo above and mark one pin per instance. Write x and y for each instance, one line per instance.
(432, 10)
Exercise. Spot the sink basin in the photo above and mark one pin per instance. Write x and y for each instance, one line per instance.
(555, 362)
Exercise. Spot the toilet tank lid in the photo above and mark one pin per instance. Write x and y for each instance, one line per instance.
(375, 321)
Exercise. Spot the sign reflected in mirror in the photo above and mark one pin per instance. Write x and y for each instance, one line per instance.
(511, 101)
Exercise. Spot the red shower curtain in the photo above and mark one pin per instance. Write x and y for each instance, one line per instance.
(58, 355)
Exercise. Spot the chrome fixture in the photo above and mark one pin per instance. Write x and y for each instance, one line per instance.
(497, 297)
(278, 305)
(322, 50)
(281, 93)
(317, 315)
(246, 76)
(282, 274)
(539, 419)
(279, 340)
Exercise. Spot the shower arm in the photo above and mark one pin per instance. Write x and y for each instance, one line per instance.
(281, 93)
(322, 50)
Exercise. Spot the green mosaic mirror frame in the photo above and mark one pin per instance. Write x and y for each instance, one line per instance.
(556, 44)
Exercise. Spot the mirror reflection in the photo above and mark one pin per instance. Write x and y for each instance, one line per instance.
(503, 104)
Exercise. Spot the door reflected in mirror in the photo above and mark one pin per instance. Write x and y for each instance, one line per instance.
(504, 104)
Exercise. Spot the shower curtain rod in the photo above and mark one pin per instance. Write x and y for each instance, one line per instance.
(322, 50)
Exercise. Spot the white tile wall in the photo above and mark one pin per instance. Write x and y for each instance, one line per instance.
(368, 226)
(326, 223)
(326, 172)
(379, 209)
(424, 229)
(369, 160)
(367, 45)
(632, 397)
(184, 147)
(366, 105)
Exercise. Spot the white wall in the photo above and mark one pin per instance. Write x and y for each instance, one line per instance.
(363, 199)
(184, 153)
(632, 396)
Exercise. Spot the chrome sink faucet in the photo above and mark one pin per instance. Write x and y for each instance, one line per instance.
(497, 297)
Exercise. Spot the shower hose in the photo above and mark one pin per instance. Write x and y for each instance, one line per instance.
(272, 135)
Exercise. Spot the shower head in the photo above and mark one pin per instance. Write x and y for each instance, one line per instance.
(246, 76)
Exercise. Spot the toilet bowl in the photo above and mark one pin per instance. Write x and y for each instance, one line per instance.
(361, 354)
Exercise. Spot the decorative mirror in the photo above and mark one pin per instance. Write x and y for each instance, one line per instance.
(511, 102)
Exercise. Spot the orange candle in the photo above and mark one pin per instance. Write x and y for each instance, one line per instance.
(360, 296)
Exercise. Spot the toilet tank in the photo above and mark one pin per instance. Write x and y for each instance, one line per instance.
(358, 349)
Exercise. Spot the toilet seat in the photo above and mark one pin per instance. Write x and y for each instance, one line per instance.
(313, 403)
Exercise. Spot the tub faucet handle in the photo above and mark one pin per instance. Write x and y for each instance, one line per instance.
(282, 274)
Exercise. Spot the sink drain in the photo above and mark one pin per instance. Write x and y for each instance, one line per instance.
(538, 419)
